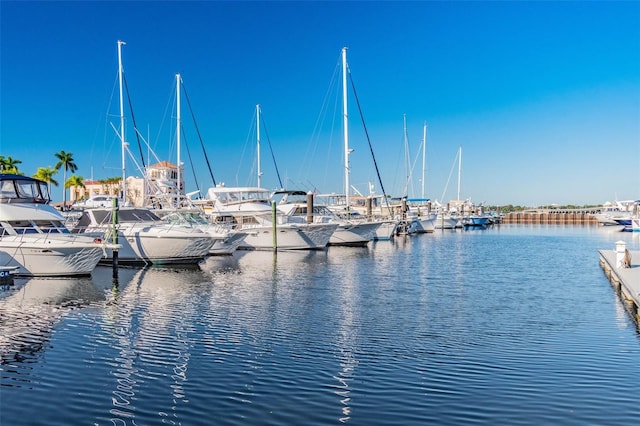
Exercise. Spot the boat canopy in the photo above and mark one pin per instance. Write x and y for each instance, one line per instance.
(23, 189)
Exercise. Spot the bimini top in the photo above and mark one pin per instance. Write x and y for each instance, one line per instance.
(23, 189)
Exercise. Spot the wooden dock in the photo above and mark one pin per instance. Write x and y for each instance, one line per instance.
(626, 281)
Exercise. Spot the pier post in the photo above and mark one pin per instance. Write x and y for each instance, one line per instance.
(309, 207)
(114, 218)
(274, 218)
(621, 248)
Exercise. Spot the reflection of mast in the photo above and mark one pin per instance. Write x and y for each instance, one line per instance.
(346, 341)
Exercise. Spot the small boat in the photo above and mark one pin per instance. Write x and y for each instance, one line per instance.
(33, 235)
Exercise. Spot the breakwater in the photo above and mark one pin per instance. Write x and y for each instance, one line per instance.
(551, 217)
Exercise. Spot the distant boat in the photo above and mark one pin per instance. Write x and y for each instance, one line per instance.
(351, 232)
(33, 235)
(249, 209)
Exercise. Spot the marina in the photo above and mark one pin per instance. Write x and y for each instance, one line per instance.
(509, 324)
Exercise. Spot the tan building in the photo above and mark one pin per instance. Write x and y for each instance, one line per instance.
(161, 182)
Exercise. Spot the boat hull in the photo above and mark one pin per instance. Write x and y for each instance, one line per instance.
(354, 235)
(154, 248)
(50, 257)
(288, 237)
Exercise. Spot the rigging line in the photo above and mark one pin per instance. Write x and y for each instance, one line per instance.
(184, 89)
(273, 157)
(375, 163)
(193, 169)
(248, 142)
(133, 118)
(449, 178)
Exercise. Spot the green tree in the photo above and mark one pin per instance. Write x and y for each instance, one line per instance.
(77, 182)
(45, 174)
(65, 161)
(9, 165)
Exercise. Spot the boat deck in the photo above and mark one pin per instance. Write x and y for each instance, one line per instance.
(625, 280)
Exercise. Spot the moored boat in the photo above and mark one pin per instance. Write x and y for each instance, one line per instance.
(249, 209)
(144, 238)
(33, 235)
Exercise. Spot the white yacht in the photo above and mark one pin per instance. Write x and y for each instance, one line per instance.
(354, 232)
(144, 238)
(249, 210)
(33, 236)
(226, 239)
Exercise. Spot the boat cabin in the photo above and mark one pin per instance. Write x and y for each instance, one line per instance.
(23, 189)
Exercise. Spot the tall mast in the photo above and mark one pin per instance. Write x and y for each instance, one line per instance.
(424, 156)
(122, 140)
(345, 128)
(258, 144)
(407, 157)
(178, 128)
(459, 168)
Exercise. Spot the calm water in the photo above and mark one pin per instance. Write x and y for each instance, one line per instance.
(510, 325)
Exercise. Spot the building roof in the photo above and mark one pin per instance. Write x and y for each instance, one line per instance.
(163, 164)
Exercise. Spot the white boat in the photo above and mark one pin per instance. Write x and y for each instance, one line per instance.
(33, 236)
(445, 220)
(226, 239)
(354, 232)
(419, 216)
(249, 210)
(144, 238)
(612, 213)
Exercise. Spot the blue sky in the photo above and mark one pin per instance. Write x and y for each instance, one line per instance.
(543, 97)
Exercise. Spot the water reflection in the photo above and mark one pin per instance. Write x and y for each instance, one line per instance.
(149, 326)
(31, 309)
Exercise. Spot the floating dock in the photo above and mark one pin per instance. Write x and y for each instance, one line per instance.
(625, 280)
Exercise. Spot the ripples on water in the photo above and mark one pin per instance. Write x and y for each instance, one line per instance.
(509, 325)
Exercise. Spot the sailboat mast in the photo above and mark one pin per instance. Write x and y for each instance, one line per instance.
(424, 156)
(459, 168)
(122, 140)
(258, 144)
(345, 126)
(178, 128)
(407, 156)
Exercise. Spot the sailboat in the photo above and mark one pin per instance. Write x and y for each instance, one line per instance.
(143, 236)
(419, 216)
(354, 229)
(250, 210)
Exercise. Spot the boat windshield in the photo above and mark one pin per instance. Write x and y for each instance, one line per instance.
(25, 190)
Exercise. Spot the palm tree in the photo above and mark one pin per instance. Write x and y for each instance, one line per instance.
(45, 174)
(66, 161)
(9, 165)
(75, 181)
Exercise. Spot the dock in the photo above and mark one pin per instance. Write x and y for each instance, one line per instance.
(552, 217)
(625, 280)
